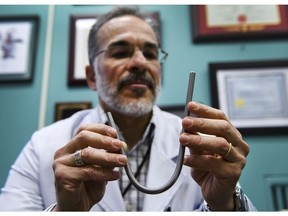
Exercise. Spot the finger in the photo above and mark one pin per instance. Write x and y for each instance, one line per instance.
(215, 122)
(208, 126)
(204, 111)
(218, 128)
(98, 128)
(232, 154)
(77, 175)
(87, 138)
(214, 127)
(202, 144)
(215, 165)
(103, 158)
(91, 156)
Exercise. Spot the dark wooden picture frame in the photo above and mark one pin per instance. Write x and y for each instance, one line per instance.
(238, 25)
(78, 46)
(18, 43)
(66, 109)
(253, 94)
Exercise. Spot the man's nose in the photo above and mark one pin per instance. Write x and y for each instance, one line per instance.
(138, 59)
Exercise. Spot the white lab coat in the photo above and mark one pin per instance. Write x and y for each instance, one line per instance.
(30, 184)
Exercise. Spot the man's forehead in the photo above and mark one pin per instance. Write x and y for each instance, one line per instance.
(125, 19)
(123, 25)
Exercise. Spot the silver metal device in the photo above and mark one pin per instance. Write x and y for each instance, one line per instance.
(180, 158)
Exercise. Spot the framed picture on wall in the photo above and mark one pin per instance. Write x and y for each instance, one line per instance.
(18, 41)
(254, 95)
(66, 109)
(211, 23)
(80, 26)
(79, 31)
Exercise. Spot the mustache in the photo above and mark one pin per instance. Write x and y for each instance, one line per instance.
(137, 77)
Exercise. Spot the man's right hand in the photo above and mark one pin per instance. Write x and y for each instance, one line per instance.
(81, 187)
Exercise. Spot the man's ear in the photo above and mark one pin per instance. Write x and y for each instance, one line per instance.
(91, 77)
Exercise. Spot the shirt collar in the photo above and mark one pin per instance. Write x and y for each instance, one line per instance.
(103, 119)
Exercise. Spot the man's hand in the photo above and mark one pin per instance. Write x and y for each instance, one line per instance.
(217, 154)
(80, 187)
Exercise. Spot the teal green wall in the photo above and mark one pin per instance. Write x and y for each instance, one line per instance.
(20, 103)
(19, 106)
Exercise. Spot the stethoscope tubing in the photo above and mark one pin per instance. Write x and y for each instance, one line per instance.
(181, 153)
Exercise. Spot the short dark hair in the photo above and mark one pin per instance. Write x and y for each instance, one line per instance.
(93, 45)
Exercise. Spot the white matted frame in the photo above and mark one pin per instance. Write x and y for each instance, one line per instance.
(18, 42)
(254, 95)
(78, 55)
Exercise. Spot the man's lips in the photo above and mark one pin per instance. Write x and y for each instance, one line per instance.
(137, 84)
(138, 88)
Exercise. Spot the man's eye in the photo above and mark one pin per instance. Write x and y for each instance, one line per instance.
(119, 53)
(150, 54)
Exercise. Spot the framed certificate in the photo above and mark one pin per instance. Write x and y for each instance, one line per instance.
(211, 23)
(254, 95)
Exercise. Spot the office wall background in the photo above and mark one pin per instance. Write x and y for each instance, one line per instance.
(21, 104)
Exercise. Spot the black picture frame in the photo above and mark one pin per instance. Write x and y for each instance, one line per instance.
(238, 25)
(18, 43)
(253, 94)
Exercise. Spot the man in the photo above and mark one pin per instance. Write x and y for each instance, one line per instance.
(125, 64)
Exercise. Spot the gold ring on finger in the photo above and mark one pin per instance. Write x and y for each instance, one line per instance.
(229, 149)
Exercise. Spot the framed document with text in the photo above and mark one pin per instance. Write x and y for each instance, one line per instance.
(254, 95)
(212, 23)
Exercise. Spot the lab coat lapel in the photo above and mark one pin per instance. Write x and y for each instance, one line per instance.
(157, 177)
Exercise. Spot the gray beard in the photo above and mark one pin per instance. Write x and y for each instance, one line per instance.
(134, 108)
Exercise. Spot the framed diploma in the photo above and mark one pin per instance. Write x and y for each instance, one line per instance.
(211, 23)
(253, 95)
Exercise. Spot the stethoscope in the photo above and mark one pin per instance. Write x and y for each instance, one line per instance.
(180, 159)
